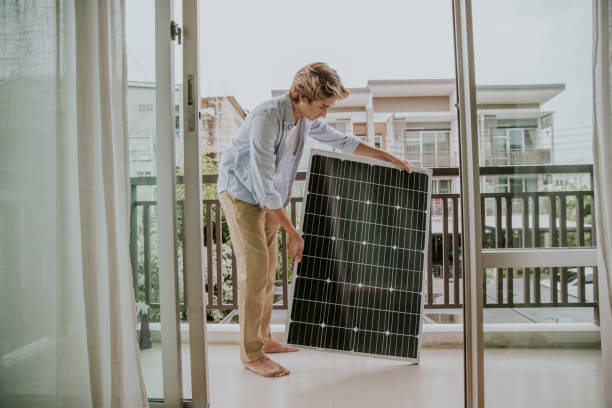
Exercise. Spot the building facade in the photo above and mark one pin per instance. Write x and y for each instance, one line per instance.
(142, 142)
(221, 117)
(417, 120)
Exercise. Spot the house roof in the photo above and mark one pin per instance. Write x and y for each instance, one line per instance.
(496, 96)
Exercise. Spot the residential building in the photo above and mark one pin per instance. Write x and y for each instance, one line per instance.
(221, 117)
(141, 127)
(416, 119)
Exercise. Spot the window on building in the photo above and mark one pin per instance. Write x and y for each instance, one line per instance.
(547, 121)
(516, 185)
(516, 139)
(442, 186)
(443, 149)
(547, 179)
(412, 151)
(145, 107)
(378, 141)
(531, 184)
(342, 125)
(140, 155)
(529, 138)
(502, 184)
(428, 149)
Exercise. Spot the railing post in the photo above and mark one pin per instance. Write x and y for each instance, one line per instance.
(146, 219)
(563, 239)
(234, 281)
(498, 223)
(209, 255)
(445, 249)
(182, 238)
(525, 242)
(483, 217)
(456, 239)
(535, 240)
(218, 242)
(509, 244)
(593, 223)
(580, 219)
(563, 219)
(596, 296)
(134, 237)
(552, 230)
(552, 223)
(525, 234)
(536, 221)
(430, 277)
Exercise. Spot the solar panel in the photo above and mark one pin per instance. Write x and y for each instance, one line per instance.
(359, 286)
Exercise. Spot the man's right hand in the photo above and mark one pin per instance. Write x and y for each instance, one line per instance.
(295, 246)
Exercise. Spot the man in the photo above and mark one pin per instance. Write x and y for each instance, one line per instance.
(255, 179)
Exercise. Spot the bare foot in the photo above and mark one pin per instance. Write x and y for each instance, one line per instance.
(267, 368)
(276, 347)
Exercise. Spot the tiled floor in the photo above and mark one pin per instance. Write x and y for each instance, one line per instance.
(513, 378)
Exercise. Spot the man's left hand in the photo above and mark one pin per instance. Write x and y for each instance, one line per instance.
(404, 164)
(366, 150)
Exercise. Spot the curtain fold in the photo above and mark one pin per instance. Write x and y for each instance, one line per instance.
(602, 155)
(67, 308)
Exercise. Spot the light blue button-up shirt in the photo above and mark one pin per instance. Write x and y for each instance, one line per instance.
(251, 169)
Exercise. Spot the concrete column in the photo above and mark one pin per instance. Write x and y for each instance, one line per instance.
(370, 121)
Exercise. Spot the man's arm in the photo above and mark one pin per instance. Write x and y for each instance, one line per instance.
(263, 132)
(295, 246)
(374, 153)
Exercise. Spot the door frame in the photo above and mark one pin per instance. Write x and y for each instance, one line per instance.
(166, 205)
(192, 218)
(470, 204)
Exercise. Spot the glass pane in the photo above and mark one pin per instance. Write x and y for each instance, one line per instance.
(529, 138)
(516, 139)
(395, 98)
(545, 108)
(429, 149)
(516, 185)
(412, 152)
(531, 184)
(443, 155)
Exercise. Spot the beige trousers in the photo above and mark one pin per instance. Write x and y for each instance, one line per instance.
(254, 239)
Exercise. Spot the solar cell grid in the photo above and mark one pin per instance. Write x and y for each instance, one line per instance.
(359, 285)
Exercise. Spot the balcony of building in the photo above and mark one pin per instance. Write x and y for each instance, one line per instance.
(324, 379)
(517, 157)
(543, 321)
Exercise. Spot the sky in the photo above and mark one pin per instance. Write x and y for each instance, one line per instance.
(248, 48)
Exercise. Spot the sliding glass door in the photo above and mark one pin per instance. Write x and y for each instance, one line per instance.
(398, 83)
(155, 137)
(527, 109)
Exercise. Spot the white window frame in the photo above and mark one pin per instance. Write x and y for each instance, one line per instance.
(421, 133)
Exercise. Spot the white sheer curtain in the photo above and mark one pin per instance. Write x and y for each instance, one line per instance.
(67, 313)
(602, 154)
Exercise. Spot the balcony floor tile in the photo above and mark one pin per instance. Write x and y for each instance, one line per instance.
(513, 377)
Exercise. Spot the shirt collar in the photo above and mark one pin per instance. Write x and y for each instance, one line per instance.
(287, 109)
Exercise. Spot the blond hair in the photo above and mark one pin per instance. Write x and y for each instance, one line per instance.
(317, 81)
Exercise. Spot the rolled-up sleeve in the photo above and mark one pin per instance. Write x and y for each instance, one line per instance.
(263, 133)
(321, 131)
